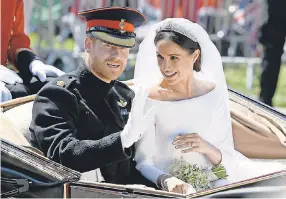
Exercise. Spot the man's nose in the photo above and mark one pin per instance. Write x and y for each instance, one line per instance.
(115, 51)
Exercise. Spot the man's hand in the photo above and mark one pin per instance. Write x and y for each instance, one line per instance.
(5, 94)
(41, 70)
(8, 76)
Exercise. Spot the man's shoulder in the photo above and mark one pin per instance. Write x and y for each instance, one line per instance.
(65, 81)
(58, 92)
(123, 90)
(59, 88)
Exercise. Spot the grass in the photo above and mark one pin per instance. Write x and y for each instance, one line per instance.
(67, 44)
(236, 78)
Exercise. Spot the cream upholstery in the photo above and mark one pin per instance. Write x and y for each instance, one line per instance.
(254, 136)
(15, 124)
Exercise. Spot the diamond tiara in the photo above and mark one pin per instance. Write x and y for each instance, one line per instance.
(176, 26)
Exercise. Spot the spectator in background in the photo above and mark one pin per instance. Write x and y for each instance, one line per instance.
(15, 49)
(28, 11)
(272, 37)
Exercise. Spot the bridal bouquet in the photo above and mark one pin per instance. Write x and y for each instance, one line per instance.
(200, 179)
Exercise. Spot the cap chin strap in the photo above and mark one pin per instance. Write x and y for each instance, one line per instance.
(111, 31)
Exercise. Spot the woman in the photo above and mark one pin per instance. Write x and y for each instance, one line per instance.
(190, 99)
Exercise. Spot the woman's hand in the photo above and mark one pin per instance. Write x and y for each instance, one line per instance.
(138, 120)
(192, 142)
(176, 185)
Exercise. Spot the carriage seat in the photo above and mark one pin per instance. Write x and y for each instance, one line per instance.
(252, 143)
(20, 119)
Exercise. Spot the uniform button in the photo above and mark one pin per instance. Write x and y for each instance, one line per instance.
(11, 32)
(9, 47)
(61, 83)
(14, 19)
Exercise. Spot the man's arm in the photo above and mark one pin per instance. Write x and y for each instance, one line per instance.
(20, 54)
(19, 51)
(19, 40)
(54, 120)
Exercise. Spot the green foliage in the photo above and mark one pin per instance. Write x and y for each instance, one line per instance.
(236, 77)
(200, 179)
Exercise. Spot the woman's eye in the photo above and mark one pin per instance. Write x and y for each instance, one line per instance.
(174, 58)
(159, 57)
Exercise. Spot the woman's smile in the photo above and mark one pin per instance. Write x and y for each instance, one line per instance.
(169, 75)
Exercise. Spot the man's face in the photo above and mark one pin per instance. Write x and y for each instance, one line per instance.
(106, 61)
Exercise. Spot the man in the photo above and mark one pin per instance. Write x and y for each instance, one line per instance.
(273, 34)
(83, 120)
(15, 48)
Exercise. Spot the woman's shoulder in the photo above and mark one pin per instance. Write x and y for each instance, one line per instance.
(154, 93)
(158, 93)
(203, 87)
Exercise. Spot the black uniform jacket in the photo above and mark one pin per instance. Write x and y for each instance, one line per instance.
(77, 120)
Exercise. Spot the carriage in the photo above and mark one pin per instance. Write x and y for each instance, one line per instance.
(259, 133)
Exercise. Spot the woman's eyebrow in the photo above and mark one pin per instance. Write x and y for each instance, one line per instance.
(173, 55)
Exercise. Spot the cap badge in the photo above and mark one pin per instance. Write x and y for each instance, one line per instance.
(122, 26)
(122, 103)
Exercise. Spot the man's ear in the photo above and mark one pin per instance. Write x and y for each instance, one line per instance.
(87, 44)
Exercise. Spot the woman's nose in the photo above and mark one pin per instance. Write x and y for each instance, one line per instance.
(166, 66)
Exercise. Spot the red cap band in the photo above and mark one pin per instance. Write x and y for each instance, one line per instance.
(119, 25)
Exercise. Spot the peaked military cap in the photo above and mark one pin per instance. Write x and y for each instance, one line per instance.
(113, 25)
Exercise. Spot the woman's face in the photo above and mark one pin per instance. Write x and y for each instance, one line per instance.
(176, 63)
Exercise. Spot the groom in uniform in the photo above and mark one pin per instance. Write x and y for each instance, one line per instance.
(83, 119)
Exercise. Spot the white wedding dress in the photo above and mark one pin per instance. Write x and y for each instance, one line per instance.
(203, 115)
(207, 115)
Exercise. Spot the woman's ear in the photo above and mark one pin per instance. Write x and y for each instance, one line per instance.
(196, 55)
(87, 44)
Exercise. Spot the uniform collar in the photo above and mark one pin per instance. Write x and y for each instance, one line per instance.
(91, 83)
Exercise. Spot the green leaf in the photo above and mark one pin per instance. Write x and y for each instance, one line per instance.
(195, 175)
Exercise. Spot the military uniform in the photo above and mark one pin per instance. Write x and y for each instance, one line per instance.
(77, 118)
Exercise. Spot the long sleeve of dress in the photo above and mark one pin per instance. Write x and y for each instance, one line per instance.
(54, 120)
(221, 129)
(145, 152)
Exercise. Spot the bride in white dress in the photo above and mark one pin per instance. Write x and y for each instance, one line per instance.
(189, 96)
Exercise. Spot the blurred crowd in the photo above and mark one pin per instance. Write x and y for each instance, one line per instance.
(232, 24)
(239, 28)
